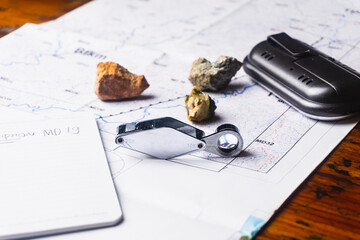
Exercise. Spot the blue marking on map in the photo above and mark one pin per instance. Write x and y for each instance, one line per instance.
(37, 62)
(59, 46)
(167, 107)
(32, 108)
(134, 30)
(57, 108)
(38, 108)
(234, 92)
(100, 117)
(145, 114)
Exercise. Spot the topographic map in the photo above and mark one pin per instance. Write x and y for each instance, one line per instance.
(52, 68)
(266, 136)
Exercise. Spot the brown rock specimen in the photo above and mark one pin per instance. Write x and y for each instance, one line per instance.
(199, 105)
(213, 76)
(114, 82)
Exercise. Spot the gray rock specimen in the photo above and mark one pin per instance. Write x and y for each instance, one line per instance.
(213, 76)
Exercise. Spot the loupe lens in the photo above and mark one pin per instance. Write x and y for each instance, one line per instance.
(227, 142)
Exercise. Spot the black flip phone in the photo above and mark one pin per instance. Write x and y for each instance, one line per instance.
(312, 82)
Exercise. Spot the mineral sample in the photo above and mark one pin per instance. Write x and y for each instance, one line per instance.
(213, 76)
(199, 105)
(114, 82)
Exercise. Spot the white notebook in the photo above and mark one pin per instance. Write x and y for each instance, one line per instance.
(54, 178)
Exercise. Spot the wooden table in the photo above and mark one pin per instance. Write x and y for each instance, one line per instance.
(326, 206)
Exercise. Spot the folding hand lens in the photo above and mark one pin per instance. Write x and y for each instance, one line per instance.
(168, 138)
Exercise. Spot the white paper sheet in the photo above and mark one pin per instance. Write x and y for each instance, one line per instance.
(153, 24)
(54, 177)
(198, 196)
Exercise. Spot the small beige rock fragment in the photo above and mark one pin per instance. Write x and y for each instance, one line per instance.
(199, 105)
(114, 82)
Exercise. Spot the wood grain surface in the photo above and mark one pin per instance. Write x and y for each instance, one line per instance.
(325, 206)
(15, 13)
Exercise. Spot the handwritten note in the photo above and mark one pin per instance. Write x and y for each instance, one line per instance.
(54, 177)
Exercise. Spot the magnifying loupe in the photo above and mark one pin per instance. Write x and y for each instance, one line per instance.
(167, 138)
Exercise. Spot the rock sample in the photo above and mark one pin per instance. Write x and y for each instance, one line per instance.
(213, 76)
(199, 105)
(114, 82)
